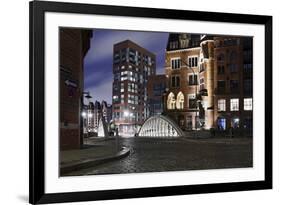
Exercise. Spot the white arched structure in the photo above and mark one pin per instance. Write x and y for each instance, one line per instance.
(160, 126)
(180, 100)
(171, 102)
(102, 128)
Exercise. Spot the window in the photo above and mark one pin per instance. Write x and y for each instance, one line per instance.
(176, 63)
(192, 79)
(180, 101)
(116, 57)
(220, 69)
(201, 67)
(234, 104)
(220, 57)
(235, 122)
(233, 56)
(171, 101)
(247, 55)
(233, 68)
(117, 76)
(192, 104)
(175, 81)
(234, 86)
(122, 98)
(115, 98)
(248, 67)
(132, 87)
(248, 86)
(124, 78)
(158, 89)
(248, 123)
(202, 84)
(221, 123)
(193, 61)
(221, 86)
(173, 45)
(131, 99)
(122, 88)
(248, 104)
(221, 105)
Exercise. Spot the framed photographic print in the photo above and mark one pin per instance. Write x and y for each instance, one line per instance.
(140, 102)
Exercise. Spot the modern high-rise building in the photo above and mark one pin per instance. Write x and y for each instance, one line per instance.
(156, 87)
(209, 81)
(132, 65)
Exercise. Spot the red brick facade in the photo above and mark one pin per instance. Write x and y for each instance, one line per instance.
(74, 44)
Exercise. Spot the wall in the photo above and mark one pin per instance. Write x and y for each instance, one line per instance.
(14, 102)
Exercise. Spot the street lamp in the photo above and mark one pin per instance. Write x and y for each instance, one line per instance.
(135, 119)
(83, 114)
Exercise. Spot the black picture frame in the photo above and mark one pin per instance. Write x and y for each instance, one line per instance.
(37, 194)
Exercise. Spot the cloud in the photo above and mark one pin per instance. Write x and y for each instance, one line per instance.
(103, 41)
(96, 77)
(98, 61)
(102, 91)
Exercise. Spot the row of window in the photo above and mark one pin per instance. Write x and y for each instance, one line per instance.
(132, 56)
(159, 89)
(227, 42)
(234, 104)
(232, 57)
(192, 62)
(234, 86)
(178, 103)
(132, 99)
(192, 80)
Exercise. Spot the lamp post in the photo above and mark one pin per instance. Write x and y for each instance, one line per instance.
(88, 96)
(135, 120)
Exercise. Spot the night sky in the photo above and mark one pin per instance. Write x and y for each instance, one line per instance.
(98, 75)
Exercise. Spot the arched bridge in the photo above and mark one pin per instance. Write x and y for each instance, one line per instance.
(160, 126)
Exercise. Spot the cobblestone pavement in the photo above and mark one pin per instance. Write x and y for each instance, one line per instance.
(156, 155)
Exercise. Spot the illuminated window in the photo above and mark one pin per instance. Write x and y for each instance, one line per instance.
(221, 105)
(115, 98)
(122, 88)
(234, 104)
(171, 101)
(248, 104)
(180, 101)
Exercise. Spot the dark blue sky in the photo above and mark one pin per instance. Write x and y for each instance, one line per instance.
(98, 61)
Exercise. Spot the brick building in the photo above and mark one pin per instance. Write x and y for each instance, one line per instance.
(233, 82)
(132, 65)
(180, 99)
(209, 81)
(73, 45)
(156, 86)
